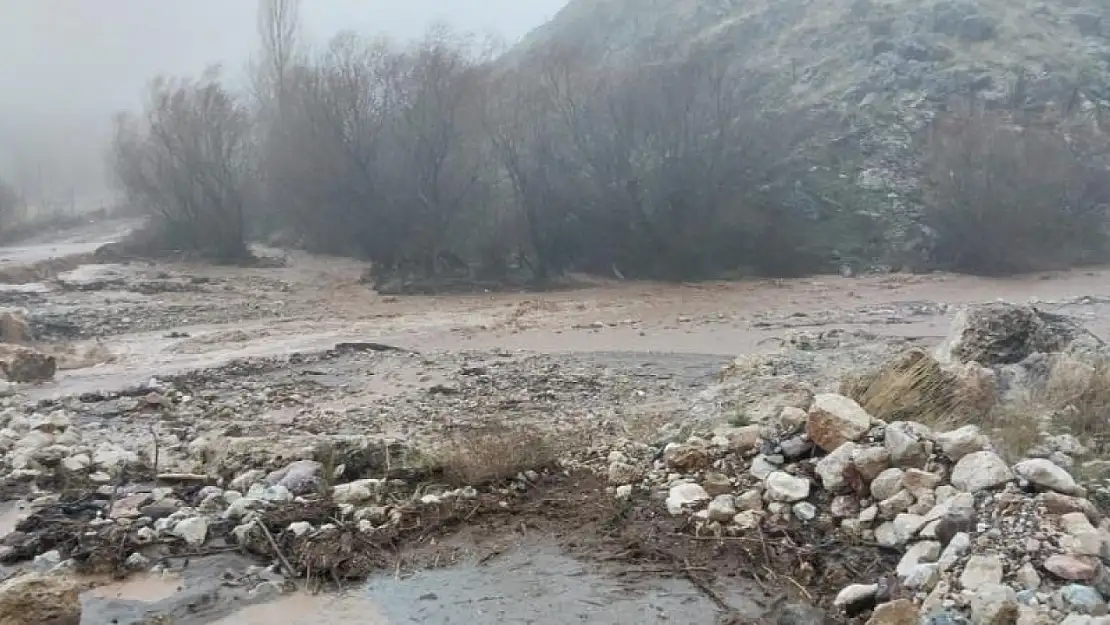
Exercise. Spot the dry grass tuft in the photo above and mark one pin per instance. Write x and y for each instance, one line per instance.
(497, 453)
(1077, 395)
(1015, 427)
(914, 387)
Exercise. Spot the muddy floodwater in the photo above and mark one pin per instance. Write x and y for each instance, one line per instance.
(615, 344)
(530, 585)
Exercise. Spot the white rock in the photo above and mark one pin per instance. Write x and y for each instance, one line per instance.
(980, 470)
(1028, 576)
(887, 484)
(805, 511)
(870, 461)
(922, 577)
(834, 420)
(855, 594)
(781, 486)
(830, 469)
(747, 520)
(993, 604)
(685, 497)
(77, 463)
(761, 467)
(357, 492)
(624, 492)
(961, 442)
(918, 553)
(905, 441)
(722, 509)
(1047, 475)
(957, 547)
(193, 530)
(982, 570)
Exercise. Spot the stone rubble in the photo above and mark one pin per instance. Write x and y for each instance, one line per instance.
(983, 541)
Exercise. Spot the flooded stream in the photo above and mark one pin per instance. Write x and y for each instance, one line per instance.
(533, 585)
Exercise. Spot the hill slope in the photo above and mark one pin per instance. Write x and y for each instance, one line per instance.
(886, 66)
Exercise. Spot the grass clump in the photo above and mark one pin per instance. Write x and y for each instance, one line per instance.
(913, 387)
(497, 453)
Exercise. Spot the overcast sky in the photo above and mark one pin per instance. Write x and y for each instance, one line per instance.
(65, 63)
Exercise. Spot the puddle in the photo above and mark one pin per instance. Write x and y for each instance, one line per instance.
(533, 586)
(145, 588)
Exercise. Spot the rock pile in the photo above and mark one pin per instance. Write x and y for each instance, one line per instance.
(982, 541)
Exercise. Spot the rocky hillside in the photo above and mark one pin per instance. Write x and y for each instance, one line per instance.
(883, 66)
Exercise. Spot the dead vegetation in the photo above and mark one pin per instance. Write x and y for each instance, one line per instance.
(496, 453)
(913, 387)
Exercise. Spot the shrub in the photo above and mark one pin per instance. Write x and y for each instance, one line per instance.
(1008, 195)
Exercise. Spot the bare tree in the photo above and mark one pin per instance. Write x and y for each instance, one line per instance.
(1009, 194)
(187, 160)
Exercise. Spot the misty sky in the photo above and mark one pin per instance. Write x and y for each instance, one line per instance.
(67, 63)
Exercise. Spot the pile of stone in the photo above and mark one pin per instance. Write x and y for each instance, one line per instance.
(983, 542)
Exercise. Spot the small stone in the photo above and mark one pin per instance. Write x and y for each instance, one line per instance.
(961, 442)
(980, 470)
(357, 492)
(855, 598)
(621, 473)
(834, 420)
(905, 441)
(722, 508)
(1057, 503)
(907, 526)
(982, 570)
(742, 440)
(624, 492)
(923, 577)
(1028, 577)
(686, 457)
(899, 503)
(685, 497)
(1047, 475)
(870, 461)
(918, 553)
(750, 500)
(193, 530)
(1083, 600)
(1073, 568)
(796, 447)
(805, 511)
(920, 482)
(747, 520)
(781, 486)
(993, 604)
(900, 612)
(887, 484)
(958, 547)
(761, 467)
(792, 418)
(830, 469)
(713, 483)
(844, 506)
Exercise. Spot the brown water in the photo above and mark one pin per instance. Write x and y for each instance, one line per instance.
(146, 588)
(531, 585)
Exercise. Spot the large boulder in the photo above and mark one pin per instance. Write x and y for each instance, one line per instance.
(23, 364)
(35, 599)
(1005, 334)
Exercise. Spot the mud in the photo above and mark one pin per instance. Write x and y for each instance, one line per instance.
(245, 355)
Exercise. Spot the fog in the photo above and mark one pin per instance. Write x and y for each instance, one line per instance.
(70, 64)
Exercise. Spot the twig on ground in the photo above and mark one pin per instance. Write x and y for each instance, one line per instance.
(277, 550)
